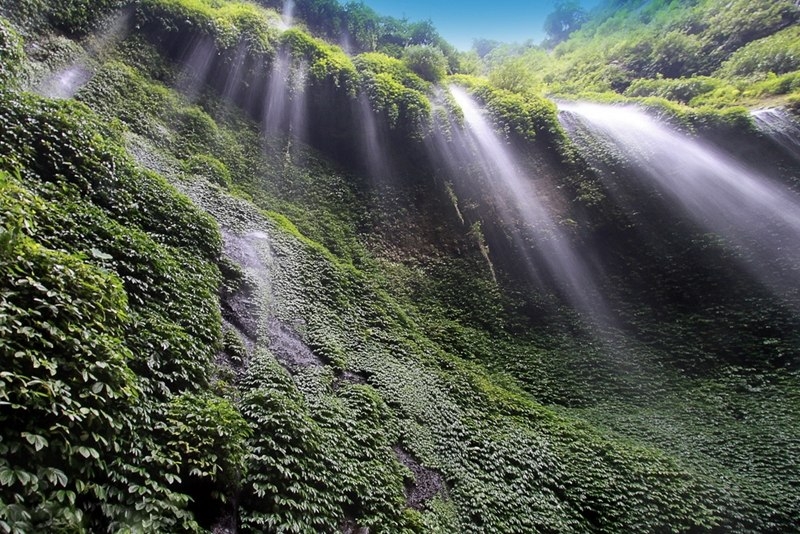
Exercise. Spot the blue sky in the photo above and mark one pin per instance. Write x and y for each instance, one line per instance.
(461, 21)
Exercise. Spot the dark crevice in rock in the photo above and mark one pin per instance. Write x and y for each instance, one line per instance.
(226, 524)
(427, 483)
(351, 527)
(349, 377)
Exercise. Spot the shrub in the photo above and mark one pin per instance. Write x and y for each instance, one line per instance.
(674, 54)
(394, 91)
(778, 53)
(209, 167)
(373, 63)
(428, 62)
(325, 62)
(288, 483)
(65, 385)
(681, 90)
(513, 74)
(118, 91)
(400, 105)
(210, 436)
(11, 53)
(527, 116)
(106, 272)
(196, 131)
(774, 85)
(73, 17)
(78, 17)
(793, 103)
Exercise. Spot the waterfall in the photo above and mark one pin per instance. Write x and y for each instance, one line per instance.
(287, 14)
(277, 96)
(537, 234)
(781, 128)
(198, 59)
(756, 216)
(373, 143)
(66, 82)
(285, 104)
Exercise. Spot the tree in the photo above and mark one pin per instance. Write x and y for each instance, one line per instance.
(362, 25)
(513, 74)
(484, 46)
(428, 62)
(469, 63)
(422, 33)
(567, 17)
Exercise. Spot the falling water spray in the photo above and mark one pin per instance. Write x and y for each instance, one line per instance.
(515, 194)
(781, 128)
(67, 81)
(287, 14)
(758, 217)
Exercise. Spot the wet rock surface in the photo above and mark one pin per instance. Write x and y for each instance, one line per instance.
(287, 347)
(237, 310)
(427, 483)
(247, 307)
(244, 307)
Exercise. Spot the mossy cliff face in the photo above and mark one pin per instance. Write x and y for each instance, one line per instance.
(208, 326)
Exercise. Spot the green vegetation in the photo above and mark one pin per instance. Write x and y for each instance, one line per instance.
(122, 271)
(428, 62)
(777, 54)
(227, 22)
(74, 17)
(288, 345)
(364, 30)
(526, 115)
(10, 53)
(324, 61)
(210, 438)
(712, 52)
(394, 91)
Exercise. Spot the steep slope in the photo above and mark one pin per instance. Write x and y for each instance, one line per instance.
(350, 340)
(714, 53)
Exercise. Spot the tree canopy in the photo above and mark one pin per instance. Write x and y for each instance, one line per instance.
(567, 17)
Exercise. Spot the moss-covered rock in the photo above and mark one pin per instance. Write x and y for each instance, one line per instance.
(130, 297)
(528, 116)
(10, 53)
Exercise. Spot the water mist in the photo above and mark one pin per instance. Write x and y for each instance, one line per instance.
(781, 128)
(66, 82)
(547, 250)
(287, 14)
(757, 217)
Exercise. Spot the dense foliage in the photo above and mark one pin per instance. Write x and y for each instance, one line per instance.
(301, 342)
(109, 292)
(357, 27)
(717, 48)
(10, 51)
